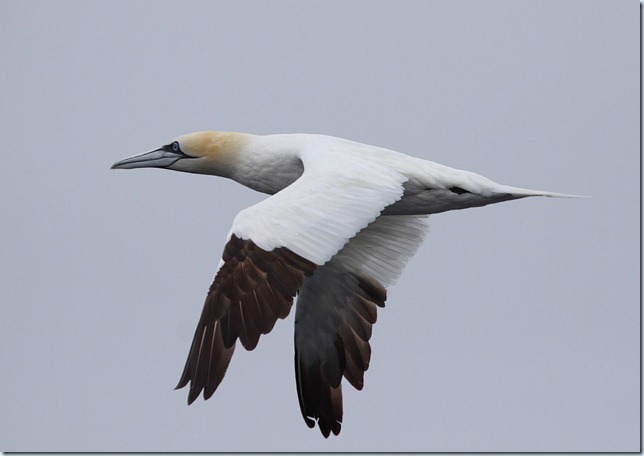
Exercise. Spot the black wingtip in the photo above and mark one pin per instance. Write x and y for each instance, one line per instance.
(193, 395)
(309, 422)
(182, 382)
(326, 428)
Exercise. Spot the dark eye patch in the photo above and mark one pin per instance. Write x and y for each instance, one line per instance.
(175, 149)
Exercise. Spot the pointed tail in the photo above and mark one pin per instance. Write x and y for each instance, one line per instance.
(524, 192)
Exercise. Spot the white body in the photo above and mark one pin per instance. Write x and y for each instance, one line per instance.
(327, 180)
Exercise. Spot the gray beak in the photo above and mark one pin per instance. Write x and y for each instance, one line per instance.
(163, 157)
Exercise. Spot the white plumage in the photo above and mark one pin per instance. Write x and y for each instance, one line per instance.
(342, 221)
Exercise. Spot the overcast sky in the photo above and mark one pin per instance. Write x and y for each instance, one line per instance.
(514, 328)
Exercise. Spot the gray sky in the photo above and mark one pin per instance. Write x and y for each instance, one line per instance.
(514, 328)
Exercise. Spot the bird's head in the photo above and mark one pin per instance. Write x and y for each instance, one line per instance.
(203, 152)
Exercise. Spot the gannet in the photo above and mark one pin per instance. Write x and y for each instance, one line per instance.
(342, 220)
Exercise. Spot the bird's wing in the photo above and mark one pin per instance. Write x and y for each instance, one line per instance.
(273, 246)
(336, 309)
(251, 290)
(336, 196)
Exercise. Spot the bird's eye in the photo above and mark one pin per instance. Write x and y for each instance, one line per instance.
(175, 147)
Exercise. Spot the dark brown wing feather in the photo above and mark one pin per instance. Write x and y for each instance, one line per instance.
(336, 310)
(332, 331)
(252, 289)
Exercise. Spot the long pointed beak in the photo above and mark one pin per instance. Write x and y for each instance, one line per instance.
(159, 158)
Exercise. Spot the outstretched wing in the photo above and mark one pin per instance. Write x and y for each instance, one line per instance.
(252, 289)
(336, 310)
(273, 246)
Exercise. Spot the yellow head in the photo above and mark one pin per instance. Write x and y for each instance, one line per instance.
(203, 152)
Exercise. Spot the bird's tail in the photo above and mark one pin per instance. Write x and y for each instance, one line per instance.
(524, 192)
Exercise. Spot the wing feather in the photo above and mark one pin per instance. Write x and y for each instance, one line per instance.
(274, 248)
(337, 196)
(241, 304)
(336, 310)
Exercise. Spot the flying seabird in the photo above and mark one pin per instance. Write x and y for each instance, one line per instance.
(342, 221)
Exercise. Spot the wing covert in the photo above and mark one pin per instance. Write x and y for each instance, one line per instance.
(337, 196)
